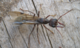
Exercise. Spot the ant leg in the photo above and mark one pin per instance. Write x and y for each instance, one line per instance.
(37, 35)
(26, 10)
(49, 16)
(48, 29)
(59, 31)
(38, 13)
(61, 24)
(65, 14)
(33, 15)
(30, 35)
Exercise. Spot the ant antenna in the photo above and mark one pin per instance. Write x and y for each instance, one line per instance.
(64, 14)
(61, 23)
(59, 31)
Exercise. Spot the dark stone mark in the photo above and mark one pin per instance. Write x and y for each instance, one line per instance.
(69, 0)
(0, 46)
(0, 19)
(2, 29)
(79, 2)
(22, 13)
(59, 47)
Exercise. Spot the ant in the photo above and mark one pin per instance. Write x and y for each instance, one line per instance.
(23, 18)
(52, 22)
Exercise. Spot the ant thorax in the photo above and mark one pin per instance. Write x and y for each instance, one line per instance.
(43, 21)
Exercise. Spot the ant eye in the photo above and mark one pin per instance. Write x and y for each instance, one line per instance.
(53, 26)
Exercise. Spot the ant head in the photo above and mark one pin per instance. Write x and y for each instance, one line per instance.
(53, 22)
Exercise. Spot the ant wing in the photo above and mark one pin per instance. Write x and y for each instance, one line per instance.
(16, 13)
(18, 16)
(26, 22)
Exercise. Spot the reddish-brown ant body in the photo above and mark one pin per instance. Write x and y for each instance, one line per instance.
(36, 20)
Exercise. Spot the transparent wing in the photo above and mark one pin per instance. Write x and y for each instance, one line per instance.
(18, 16)
(26, 22)
(16, 13)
